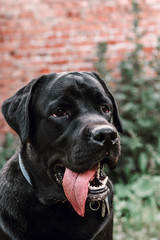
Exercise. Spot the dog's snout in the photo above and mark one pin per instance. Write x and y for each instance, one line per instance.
(103, 134)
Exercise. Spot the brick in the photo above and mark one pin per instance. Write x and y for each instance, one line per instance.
(54, 36)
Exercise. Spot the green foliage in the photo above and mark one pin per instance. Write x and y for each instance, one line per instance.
(137, 209)
(8, 149)
(101, 63)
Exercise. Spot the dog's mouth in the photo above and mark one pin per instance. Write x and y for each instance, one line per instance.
(98, 189)
(90, 185)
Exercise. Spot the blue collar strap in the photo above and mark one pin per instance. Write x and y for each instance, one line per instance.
(24, 171)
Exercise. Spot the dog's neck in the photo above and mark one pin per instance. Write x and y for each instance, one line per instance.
(23, 170)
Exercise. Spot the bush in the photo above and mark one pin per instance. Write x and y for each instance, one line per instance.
(137, 204)
(8, 149)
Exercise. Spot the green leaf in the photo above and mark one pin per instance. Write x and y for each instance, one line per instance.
(143, 187)
(143, 161)
(122, 191)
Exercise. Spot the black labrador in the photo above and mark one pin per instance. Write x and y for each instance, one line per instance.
(55, 187)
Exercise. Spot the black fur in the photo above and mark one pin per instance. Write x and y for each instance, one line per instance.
(54, 117)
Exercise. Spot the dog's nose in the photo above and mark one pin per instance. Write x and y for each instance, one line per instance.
(102, 134)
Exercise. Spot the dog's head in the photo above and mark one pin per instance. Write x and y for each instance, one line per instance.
(65, 121)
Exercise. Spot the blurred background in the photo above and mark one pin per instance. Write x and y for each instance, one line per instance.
(120, 40)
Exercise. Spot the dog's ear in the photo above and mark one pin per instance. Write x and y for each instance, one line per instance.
(16, 110)
(116, 118)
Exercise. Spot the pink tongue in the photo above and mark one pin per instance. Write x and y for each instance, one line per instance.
(76, 188)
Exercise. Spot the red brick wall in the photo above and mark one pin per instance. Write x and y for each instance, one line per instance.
(43, 36)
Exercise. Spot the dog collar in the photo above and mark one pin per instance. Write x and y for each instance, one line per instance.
(24, 171)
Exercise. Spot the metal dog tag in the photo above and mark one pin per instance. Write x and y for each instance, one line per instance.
(107, 205)
(103, 211)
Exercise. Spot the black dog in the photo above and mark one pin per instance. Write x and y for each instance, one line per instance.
(54, 187)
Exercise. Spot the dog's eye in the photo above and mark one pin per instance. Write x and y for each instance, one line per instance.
(60, 113)
(105, 109)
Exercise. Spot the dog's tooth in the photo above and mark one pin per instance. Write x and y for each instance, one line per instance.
(104, 181)
(98, 170)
